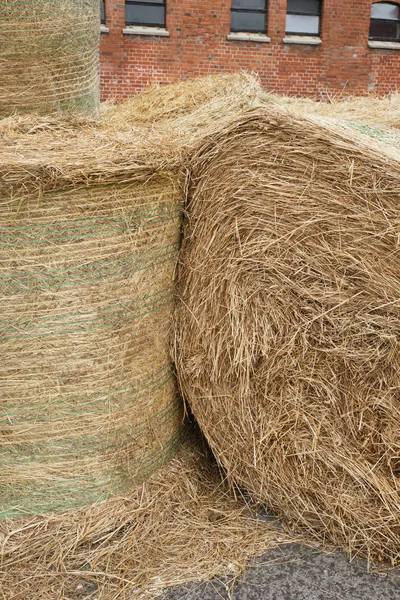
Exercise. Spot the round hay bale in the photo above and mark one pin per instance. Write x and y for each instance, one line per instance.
(288, 325)
(49, 56)
(88, 401)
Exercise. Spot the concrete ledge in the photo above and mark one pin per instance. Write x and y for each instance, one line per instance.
(104, 29)
(304, 40)
(154, 31)
(384, 45)
(239, 36)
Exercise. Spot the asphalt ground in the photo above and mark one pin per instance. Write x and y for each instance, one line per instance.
(293, 572)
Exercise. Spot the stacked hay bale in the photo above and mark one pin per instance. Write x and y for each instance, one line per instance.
(49, 56)
(377, 111)
(288, 326)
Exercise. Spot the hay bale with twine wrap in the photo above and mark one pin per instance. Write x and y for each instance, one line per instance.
(288, 325)
(88, 401)
(49, 56)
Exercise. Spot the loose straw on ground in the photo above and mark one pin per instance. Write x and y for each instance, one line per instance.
(182, 525)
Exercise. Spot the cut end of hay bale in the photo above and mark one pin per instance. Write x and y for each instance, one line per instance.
(288, 327)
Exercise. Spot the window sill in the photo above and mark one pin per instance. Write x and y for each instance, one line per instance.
(154, 31)
(104, 29)
(239, 36)
(384, 45)
(305, 40)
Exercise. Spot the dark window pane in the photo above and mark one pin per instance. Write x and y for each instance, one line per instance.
(140, 14)
(249, 4)
(383, 10)
(384, 29)
(302, 24)
(247, 21)
(102, 12)
(309, 7)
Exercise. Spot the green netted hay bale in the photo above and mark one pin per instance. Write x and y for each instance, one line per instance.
(49, 56)
(88, 406)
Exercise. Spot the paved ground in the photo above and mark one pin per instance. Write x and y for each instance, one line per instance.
(297, 573)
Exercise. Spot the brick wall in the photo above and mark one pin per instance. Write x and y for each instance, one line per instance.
(198, 45)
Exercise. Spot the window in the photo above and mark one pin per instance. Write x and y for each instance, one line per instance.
(102, 12)
(303, 17)
(385, 22)
(249, 15)
(149, 13)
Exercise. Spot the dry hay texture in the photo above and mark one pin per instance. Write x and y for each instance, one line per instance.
(377, 111)
(181, 525)
(176, 117)
(187, 107)
(288, 325)
(49, 56)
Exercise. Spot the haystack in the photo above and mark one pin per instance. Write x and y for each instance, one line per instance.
(288, 325)
(380, 112)
(49, 56)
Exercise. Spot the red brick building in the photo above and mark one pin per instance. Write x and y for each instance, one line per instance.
(298, 47)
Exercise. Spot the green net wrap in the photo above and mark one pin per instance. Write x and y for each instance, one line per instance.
(88, 406)
(49, 56)
(390, 137)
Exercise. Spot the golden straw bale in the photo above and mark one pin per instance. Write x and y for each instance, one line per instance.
(288, 325)
(132, 140)
(187, 106)
(49, 56)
